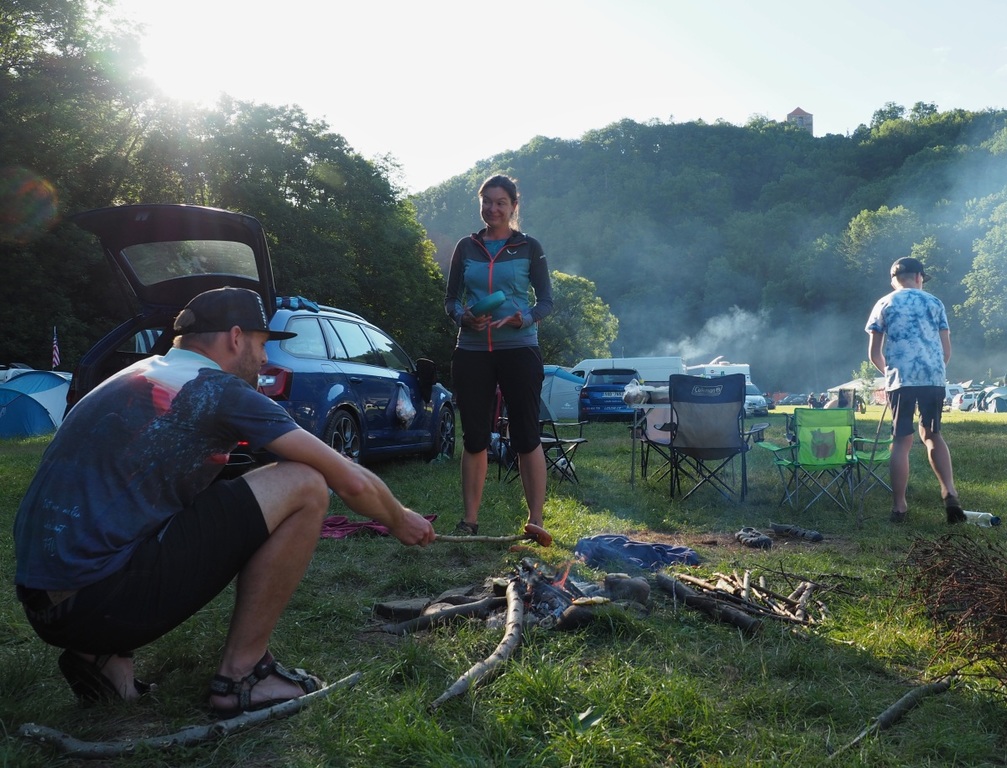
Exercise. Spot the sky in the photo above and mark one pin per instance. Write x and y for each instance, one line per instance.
(440, 85)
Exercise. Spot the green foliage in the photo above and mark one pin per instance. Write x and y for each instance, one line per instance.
(581, 326)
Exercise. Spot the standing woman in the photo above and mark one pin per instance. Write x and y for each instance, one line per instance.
(499, 347)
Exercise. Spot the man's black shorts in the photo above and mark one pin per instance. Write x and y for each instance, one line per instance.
(170, 577)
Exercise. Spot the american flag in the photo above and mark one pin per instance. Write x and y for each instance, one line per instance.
(55, 349)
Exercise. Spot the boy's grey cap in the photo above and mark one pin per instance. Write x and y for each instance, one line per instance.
(907, 265)
(223, 308)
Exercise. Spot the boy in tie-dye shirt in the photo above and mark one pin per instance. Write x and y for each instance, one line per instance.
(910, 343)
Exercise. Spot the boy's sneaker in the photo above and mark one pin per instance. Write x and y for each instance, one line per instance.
(466, 529)
(954, 510)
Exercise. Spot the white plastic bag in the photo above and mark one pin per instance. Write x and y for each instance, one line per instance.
(404, 409)
(635, 394)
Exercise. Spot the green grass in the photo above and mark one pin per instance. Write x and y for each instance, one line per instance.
(667, 688)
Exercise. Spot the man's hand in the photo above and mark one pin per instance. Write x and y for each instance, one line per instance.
(414, 529)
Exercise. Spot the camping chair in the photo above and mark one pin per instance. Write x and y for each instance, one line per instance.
(872, 455)
(655, 437)
(560, 441)
(819, 458)
(708, 433)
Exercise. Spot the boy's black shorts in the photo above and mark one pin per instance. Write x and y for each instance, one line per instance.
(170, 577)
(904, 402)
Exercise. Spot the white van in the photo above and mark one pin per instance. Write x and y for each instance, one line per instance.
(652, 370)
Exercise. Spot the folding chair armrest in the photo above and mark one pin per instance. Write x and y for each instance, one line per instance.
(776, 449)
(756, 433)
(578, 425)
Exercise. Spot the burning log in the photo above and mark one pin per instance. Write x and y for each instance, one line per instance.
(511, 640)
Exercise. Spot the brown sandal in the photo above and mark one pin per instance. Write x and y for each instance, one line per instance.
(242, 688)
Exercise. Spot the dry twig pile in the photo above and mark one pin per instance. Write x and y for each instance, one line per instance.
(745, 600)
(959, 580)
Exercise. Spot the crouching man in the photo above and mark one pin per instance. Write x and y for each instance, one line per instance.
(123, 534)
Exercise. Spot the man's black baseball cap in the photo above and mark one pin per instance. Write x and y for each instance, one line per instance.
(223, 308)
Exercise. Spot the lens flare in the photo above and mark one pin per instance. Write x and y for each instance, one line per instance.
(28, 204)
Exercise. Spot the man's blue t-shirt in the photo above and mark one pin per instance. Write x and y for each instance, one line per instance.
(130, 455)
(911, 321)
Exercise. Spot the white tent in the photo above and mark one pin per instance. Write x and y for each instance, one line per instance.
(875, 393)
(561, 389)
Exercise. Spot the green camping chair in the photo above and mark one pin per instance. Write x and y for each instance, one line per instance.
(819, 462)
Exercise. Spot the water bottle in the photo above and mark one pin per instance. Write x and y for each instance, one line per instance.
(982, 519)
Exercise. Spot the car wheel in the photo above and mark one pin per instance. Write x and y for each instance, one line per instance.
(443, 436)
(344, 436)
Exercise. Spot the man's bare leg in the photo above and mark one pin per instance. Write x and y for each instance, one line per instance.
(294, 500)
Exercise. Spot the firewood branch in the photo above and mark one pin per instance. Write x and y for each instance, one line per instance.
(193, 734)
(480, 608)
(511, 639)
(894, 713)
(719, 610)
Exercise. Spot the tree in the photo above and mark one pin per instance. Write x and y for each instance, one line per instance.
(891, 111)
(866, 375)
(581, 324)
(986, 283)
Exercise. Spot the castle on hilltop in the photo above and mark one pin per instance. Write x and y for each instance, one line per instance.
(802, 119)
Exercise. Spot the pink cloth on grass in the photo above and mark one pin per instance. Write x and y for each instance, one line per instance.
(340, 526)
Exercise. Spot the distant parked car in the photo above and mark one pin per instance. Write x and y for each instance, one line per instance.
(601, 395)
(964, 401)
(794, 400)
(341, 378)
(755, 403)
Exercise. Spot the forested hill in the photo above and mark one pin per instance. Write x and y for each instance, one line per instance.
(763, 243)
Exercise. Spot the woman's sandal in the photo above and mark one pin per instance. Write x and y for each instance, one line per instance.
(466, 529)
(89, 684)
(242, 688)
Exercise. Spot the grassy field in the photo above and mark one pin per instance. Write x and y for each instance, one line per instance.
(668, 687)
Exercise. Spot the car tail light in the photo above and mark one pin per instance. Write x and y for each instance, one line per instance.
(274, 381)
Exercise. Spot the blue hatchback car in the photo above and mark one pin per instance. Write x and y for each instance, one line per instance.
(601, 395)
(341, 378)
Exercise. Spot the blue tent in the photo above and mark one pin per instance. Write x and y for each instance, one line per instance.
(561, 389)
(32, 403)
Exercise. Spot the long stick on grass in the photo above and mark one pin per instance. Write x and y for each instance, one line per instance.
(480, 608)
(894, 713)
(193, 734)
(511, 639)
